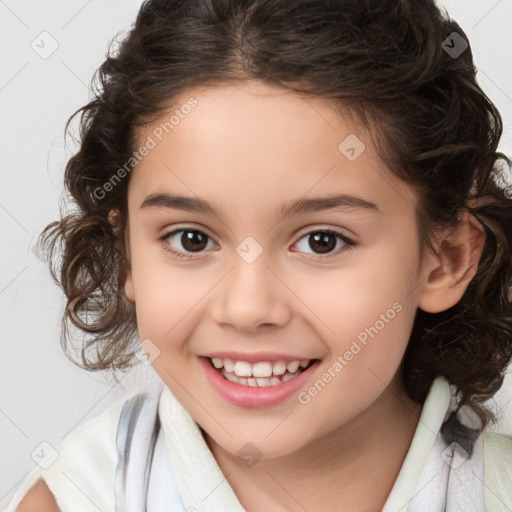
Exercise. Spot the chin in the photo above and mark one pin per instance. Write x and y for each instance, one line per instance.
(250, 449)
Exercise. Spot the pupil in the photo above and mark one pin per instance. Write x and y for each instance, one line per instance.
(325, 242)
(189, 238)
(322, 240)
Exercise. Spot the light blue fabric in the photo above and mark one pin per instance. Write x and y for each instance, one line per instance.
(435, 476)
(144, 479)
(159, 466)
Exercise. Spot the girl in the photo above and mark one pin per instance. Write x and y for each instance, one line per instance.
(299, 210)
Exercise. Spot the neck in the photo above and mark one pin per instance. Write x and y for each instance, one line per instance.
(356, 464)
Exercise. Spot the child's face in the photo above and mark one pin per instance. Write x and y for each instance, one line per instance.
(256, 285)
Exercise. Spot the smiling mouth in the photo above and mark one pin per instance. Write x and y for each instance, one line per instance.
(262, 374)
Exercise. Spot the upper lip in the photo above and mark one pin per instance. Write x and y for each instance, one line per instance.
(255, 356)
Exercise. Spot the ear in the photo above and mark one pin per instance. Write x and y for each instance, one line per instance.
(453, 266)
(113, 218)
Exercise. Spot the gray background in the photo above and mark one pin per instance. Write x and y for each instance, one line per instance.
(43, 395)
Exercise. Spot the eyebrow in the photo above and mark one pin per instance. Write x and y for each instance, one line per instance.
(293, 207)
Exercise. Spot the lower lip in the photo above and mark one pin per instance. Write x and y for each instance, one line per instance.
(247, 396)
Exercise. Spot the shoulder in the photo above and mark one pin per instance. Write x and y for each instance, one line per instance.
(39, 498)
(498, 453)
(85, 462)
(498, 471)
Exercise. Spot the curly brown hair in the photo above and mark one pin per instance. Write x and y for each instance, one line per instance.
(386, 62)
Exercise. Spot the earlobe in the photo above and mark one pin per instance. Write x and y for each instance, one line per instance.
(453, 267)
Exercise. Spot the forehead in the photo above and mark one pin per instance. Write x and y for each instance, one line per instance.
(255, 143)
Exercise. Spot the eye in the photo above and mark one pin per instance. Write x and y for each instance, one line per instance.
(192, 240)
(323, 241)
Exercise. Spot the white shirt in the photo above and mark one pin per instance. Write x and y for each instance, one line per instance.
(83, 476)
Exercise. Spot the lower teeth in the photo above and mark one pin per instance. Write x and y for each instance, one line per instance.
(261, 382)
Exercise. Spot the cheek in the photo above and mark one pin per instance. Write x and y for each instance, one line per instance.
(349, 299)
(168, 297)
(364, 313)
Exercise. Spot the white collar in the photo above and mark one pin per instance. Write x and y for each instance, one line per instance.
(200, 480)
(432, 416)
(203, 486)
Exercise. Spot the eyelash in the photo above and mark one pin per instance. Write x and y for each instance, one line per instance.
(349, 243)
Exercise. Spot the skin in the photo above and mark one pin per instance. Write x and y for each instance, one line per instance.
(248, 148)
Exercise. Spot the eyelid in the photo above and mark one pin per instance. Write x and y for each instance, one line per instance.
(349, 241)
(185, 227)
(304, 231)
(313, 228)
(164, 234)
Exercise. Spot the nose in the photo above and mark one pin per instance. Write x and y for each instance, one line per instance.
(251, 298)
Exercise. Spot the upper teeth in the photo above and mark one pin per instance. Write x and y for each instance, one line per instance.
(261, 369)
